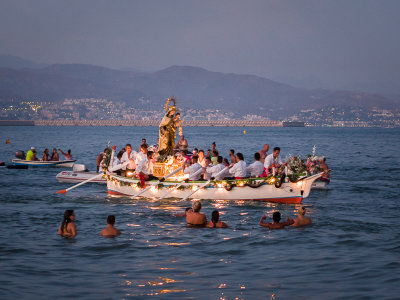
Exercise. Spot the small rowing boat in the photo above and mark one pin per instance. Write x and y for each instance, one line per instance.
(40, 163)
(78, 174)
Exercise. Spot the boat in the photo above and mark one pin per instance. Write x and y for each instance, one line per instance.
(40, 163)
(321, 183)
(287, 183)
(251, 189)
(79, 174)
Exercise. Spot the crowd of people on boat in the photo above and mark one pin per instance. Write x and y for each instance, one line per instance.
(214, 166)
(32, 155)
(194, 218)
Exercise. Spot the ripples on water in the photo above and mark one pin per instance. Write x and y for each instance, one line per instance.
(352, 249)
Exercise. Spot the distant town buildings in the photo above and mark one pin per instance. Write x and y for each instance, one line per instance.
(103, 109)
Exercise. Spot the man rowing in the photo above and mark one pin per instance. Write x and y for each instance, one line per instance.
(193, 169)
(214, 170)
(238, 170)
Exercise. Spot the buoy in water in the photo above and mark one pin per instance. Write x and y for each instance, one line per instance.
(244, 131)
(7, 141)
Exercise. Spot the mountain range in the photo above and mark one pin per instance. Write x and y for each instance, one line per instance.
(193, 87)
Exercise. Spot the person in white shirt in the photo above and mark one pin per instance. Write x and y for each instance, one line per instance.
(192, 169)
(117, 159)
(273, 159)
(142, 155)
(145, 166)
(214, 170)
(239, 169)
(256, 168)
(208, 164)
(201, 159)
(130, 156)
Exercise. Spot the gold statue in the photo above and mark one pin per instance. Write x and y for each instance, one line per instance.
(167, 128)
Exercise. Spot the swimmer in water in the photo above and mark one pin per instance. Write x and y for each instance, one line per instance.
(276, 224)
(301, 220)
(215, 222)
(195, 218)
(110, 231)
(67, 228)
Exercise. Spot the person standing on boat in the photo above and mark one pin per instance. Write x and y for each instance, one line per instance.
(192, 169)
(46, 156)
(324, 168)
(232, 156)
(256, 168)
(29, 154)
(239, 169)
(144, 142)
(54, 155)
(201, 159)
(277, 224)
(213, 147)
(99, 159)
(263, 153)
(214, 157)
(182, 144)
(67, 156)
(273, 159)
(214, 170)
(301, 220)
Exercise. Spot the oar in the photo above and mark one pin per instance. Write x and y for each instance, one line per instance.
(165, 177)
(179, 184)
(117, 167)
(203, 185)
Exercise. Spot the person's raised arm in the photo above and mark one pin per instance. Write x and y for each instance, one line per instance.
(62, 152)
(262, 223)
(289, 221)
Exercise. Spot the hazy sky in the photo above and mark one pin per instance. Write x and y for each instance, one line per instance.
(338, 44)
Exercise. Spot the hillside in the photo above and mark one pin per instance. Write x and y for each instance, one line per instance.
(193, 87)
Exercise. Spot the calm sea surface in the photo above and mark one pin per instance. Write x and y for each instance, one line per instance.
(351, 251)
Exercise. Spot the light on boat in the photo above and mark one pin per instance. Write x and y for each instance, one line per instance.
(194, 187)
(154, 188)
(299, 183)
(129, 174)
(272, 180)
(241, 183)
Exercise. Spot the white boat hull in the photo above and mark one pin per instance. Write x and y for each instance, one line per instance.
(288, 193)
(40, 163)
(76, 177)
(320, 183)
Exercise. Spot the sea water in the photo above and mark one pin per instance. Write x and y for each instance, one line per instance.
(352, 249)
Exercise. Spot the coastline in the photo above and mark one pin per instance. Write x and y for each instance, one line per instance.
(145, 123)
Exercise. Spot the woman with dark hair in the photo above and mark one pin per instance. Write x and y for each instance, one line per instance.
(215, 222)
(67, 228)
(54, 155)
(46, 156)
